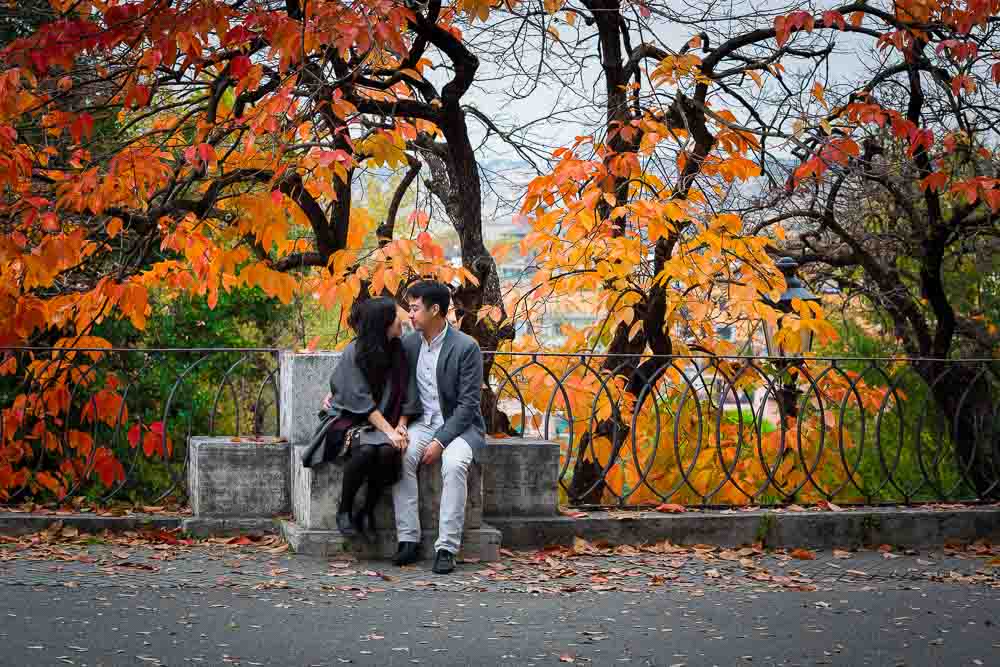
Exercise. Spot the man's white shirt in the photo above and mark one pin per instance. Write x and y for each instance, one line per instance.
(427, 363)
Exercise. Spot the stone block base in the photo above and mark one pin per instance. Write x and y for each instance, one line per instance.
(316, 495)
(520, 477)
(227, 527)
(241, 477)
(482, 544)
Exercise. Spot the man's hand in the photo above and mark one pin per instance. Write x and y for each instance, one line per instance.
(432, 453)
(328, 402)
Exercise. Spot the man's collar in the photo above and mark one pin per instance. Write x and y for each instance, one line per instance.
(439, 339)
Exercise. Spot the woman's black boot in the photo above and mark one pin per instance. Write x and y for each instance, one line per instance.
(364, 518)
(345, 525)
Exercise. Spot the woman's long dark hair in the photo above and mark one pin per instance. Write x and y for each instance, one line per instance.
(370, 322)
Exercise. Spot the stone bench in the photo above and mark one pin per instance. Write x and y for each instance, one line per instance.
(240, 482)
(315, 496)
(240, 485)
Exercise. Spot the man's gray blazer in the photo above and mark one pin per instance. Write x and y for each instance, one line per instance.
(459, 381)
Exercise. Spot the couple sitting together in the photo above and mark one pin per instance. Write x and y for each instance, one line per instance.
(397, 403)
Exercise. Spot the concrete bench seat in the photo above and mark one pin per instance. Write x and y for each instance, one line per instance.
(316, 497)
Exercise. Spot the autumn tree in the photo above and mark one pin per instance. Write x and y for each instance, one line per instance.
(718, 140)
(187, 146)
(891, 191)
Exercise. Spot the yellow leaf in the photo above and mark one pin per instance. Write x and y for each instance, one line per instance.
(817, 92)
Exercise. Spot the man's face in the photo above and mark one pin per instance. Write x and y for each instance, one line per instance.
(419, 315)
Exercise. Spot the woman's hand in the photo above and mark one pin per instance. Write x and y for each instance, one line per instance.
(399, 440)
(328, 402)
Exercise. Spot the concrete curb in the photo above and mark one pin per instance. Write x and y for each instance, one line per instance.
(23, 523)
(902, 527)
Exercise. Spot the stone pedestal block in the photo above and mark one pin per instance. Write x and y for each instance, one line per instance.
(238, 477)
(481, 543)
(316, 495)
(304, 381)
(520, 477)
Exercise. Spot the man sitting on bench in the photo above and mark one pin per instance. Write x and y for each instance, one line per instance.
(448, 367)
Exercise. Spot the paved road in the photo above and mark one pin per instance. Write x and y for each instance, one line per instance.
(124, 602)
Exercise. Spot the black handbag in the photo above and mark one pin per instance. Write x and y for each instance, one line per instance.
(365, 434)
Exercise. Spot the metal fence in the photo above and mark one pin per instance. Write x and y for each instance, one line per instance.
(725, 431)
(100, 425)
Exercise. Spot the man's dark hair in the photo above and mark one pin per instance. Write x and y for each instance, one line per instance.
(431, 293)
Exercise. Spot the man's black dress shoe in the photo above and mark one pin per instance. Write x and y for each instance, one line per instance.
(407, 554)
(444, 563)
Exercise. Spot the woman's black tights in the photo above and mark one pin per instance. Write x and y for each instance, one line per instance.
(368, 462)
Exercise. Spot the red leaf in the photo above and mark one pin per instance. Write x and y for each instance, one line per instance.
(671, 508)
(833, 18)
(239, 66)
(160, 535)
(150, 444)
(935, 181)
(133, 436)
(207, 153)
(237, 35)
(82, 127)
(107, 467)
(803, 554)
(276, 197)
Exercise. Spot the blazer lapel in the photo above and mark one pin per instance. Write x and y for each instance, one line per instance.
(447, 347)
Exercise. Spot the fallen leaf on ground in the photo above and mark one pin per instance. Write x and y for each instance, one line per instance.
(841, 554)
(671, 508)
(827, 505)
(803, 554)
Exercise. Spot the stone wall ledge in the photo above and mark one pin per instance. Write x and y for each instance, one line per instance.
(906, 527)
(480, 544)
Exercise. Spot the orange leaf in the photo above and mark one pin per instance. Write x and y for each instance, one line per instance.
(803, 554)
(49, 482)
